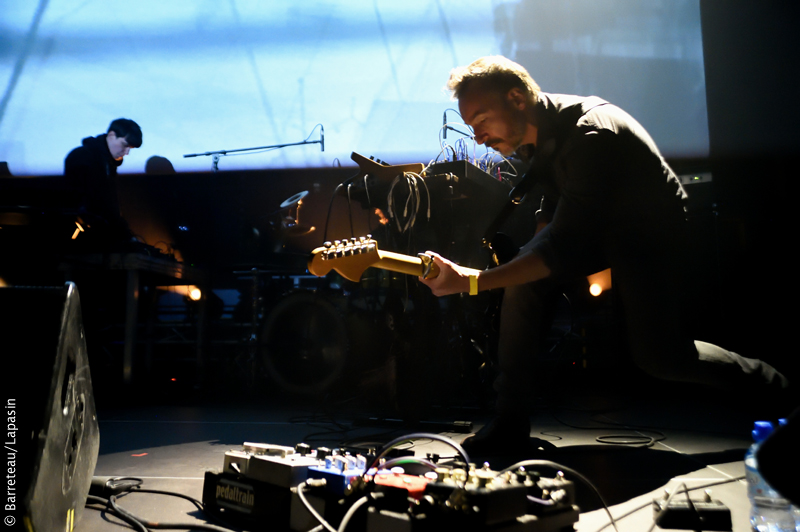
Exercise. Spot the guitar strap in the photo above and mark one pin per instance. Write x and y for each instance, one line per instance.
(542, 157)
(561, 142)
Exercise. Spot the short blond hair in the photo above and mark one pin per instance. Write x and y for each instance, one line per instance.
(495, 73)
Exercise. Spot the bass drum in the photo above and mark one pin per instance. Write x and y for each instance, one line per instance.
(304, 343)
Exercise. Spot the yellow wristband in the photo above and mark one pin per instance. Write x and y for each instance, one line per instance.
(473, 285)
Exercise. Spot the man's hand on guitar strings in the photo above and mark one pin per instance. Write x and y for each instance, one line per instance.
(452, 278)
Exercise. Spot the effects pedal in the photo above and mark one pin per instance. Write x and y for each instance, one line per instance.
(475, 500)
(339, 470)
(686, 514)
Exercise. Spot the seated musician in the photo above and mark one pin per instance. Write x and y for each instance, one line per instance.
(92, 168)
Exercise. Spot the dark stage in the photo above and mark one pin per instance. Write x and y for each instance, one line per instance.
(703, 442)
(269, 353)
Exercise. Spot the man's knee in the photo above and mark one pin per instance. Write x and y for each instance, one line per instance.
(676, 364)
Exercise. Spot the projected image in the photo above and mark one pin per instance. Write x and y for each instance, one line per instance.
(645, 57)
(209, 76)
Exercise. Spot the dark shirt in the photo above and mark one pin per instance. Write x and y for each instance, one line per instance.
(91, 170)
(611, 186)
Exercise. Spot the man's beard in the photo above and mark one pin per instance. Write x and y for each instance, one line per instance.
(516, 135)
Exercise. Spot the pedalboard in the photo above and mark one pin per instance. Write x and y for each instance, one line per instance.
(257, 490)
(245, 502)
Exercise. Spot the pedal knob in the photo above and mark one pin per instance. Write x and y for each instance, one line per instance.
(323, 452)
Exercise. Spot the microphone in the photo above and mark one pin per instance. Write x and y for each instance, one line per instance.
(444, 125)
(322, 137)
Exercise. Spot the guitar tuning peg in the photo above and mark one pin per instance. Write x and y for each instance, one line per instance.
(327, 244)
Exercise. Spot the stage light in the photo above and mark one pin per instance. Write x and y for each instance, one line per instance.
(599, 282)
(78, 230)
(381, 217)
(194, 293)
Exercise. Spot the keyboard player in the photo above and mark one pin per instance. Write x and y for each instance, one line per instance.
(92, 169)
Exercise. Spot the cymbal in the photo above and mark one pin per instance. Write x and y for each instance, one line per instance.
(291, 202)
(297, 229)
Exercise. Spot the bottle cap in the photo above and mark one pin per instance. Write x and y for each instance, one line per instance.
(761, 430)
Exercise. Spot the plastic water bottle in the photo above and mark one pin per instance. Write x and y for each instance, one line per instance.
(769, 511)
(795, 508)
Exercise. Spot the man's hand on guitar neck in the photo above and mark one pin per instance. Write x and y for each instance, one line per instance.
(452, 278)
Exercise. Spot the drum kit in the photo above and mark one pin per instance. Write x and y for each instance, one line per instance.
(297, 338)
(320, 333)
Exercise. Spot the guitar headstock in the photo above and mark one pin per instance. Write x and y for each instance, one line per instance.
(347, 257)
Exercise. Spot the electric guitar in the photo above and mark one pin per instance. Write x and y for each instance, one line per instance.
(350, 258)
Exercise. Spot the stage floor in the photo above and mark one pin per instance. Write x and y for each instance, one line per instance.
(698, 443)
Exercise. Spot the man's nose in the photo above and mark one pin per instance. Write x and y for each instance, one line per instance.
(126, 151)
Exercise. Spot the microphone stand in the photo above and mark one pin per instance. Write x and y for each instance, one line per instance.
(215, 155)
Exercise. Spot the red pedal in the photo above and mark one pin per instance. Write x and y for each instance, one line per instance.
(413, 484)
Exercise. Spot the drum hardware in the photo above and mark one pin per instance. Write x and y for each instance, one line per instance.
(296, 337)
(290, 220)
(247, 362)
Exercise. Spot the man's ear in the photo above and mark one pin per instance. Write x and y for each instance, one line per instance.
(517, 98)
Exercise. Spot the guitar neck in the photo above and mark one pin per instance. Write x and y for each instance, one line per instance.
(407, 264)
(351, 257)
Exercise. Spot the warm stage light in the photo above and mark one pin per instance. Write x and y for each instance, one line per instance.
(381, 217)
(195, 294)
(78, 230)
(599, 282)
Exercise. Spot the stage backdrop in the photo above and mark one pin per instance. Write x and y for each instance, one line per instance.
(221, 75)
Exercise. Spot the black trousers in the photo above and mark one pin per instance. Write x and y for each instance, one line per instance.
(649, 271)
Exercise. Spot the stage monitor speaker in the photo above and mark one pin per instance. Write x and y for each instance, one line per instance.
(49, 405)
